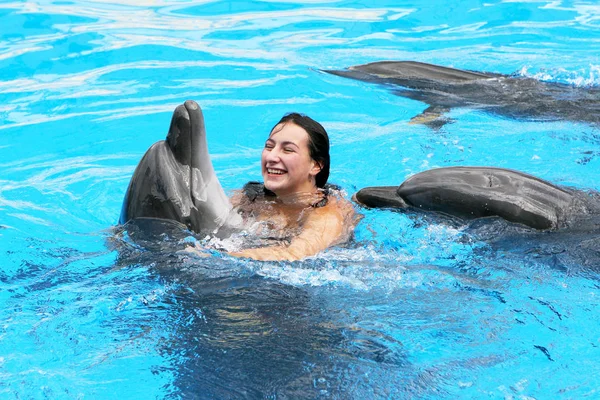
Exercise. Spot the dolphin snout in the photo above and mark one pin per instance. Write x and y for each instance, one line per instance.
(191, 105)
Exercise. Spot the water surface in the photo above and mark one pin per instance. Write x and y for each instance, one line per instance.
(414, 307)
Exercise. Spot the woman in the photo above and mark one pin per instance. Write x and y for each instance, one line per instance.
(295, 213)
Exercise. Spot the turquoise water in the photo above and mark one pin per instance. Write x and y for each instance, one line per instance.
(415, 307)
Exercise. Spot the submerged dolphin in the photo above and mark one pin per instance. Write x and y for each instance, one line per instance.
(444, 88)
(175, 179)
(474, 192)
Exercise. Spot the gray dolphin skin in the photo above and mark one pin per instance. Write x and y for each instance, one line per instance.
(474, 192)
(175, 179)
(444, 88)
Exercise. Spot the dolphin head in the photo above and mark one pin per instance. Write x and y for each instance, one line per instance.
(175, 179)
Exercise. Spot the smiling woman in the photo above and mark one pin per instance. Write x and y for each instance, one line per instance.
(295, 208)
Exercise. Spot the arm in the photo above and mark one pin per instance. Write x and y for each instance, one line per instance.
(323, 227)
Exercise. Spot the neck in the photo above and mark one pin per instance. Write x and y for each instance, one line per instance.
(304, 198)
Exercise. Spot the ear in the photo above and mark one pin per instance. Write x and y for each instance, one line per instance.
(316, 168)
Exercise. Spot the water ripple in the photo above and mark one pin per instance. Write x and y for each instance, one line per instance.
(414, 307)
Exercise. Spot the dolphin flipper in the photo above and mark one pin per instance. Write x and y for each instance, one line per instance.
(432, 117)
(473, 192)
(175, 179)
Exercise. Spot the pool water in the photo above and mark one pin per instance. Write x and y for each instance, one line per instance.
(416, 306)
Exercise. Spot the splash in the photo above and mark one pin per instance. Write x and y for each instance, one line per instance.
(583, 77)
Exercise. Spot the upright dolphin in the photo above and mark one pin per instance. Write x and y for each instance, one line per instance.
(175, 179)
(444, 88)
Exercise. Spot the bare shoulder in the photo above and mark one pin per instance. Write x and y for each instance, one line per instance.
(337, 204)
(338, 218)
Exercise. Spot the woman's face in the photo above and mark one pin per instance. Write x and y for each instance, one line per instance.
(286, 164)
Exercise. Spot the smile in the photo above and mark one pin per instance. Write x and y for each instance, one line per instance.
(275, 171)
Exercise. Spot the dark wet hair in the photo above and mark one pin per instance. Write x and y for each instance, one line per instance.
(318, 143)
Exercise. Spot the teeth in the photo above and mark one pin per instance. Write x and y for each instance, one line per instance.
(275, 171)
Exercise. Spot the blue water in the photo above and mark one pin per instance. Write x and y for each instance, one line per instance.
(414, 307)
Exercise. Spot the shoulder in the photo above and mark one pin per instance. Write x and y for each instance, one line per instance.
(336, 209)
(337, 203)
(333, 223)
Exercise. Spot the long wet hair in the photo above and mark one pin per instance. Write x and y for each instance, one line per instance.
(318, 143)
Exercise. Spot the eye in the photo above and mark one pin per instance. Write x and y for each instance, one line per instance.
(288, 150)
(268, 145)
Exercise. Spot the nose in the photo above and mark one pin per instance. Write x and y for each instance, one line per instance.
(272, 155)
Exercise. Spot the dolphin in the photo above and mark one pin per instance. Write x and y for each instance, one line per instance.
(475, 192)
(175, 180)
(443, 88)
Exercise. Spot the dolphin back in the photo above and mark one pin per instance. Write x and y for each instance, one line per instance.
(410, 74)
(418, 70)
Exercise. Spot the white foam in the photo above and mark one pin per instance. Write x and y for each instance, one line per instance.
(585, 77)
